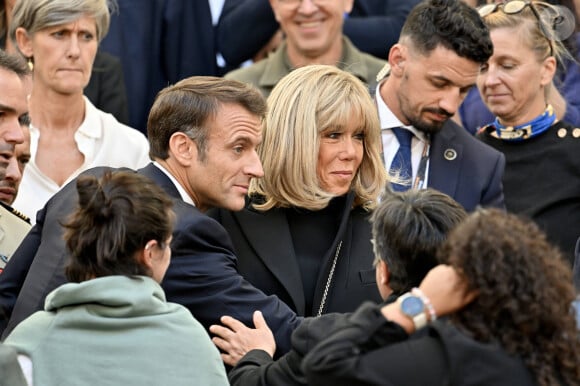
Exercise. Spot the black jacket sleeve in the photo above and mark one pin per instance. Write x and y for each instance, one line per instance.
(367, 349)
(203, 277)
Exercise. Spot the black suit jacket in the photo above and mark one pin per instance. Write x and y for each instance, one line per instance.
(465, 168)
(202, 274)
(266, 258)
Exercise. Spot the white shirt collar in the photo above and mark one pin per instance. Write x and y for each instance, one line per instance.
(184, 196)
(389, 120)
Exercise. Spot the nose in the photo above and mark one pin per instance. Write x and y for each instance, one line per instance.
(307, 6)
(348, 149)
(74, 49)
(490, 78)
(451, 100)
(254, 166)
(13, 171)
(12, 132)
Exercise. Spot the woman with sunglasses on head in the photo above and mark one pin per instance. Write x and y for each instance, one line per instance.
(473, 114)
(542, 173)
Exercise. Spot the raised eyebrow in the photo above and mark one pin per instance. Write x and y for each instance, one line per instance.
(7, 108)
(244, 139)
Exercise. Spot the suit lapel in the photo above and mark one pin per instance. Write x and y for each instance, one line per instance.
(274, 248)
(445, 161)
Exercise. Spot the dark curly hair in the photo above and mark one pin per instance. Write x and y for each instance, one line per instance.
(450, 23)
(525, 293)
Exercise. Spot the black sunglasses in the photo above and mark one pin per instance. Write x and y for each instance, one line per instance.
(516, 6)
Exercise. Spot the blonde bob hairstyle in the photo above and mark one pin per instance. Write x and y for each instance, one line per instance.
(305, 103)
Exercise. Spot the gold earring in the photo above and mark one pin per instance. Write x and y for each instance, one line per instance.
(30, 63)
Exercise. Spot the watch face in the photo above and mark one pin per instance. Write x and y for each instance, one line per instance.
(412, 306)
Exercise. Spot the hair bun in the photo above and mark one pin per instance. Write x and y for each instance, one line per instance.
(93, 199)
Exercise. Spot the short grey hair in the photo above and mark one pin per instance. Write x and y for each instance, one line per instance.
(35, 15)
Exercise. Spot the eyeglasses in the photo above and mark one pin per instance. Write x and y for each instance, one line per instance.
(296, 3)
(516, 6)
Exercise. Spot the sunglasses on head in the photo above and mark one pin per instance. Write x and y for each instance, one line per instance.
(516, 6)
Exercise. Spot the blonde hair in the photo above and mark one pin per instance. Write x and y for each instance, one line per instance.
(304, 104)
(530, 31)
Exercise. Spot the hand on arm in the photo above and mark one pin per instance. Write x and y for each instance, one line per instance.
(234, 339)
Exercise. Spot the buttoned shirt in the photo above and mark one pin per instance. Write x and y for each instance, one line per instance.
(101, 139)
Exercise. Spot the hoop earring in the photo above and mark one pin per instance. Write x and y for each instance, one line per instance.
(30, 63)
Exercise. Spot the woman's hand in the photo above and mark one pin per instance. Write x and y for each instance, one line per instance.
(234, 339)
(446, 290)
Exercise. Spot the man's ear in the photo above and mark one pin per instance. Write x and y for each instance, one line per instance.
(24, 42)
(182, 148)
(397, 59)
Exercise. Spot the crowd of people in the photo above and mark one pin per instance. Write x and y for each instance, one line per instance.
(289, 192)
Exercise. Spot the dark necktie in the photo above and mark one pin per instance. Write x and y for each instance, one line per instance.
(401, 165)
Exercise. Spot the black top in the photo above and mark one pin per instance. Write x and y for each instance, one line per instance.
(265, 243)
(542, 181)
(313, 233)
(367, 349)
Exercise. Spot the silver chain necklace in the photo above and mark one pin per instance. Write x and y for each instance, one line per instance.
(329, 280)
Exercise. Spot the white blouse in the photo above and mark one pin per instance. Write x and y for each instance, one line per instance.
(101, 139)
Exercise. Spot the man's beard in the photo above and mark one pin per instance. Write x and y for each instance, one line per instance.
(429, 127)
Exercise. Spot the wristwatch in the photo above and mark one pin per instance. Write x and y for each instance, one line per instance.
(413, 307)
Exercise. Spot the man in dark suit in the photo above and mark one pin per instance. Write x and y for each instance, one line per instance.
(203, 133)
(443, 43)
